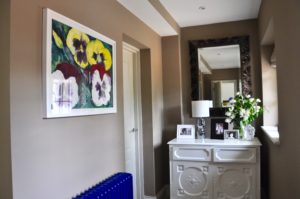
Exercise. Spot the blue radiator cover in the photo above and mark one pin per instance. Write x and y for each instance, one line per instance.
(118, 186)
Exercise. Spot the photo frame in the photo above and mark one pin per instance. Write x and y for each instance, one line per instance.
(231, 134)
(185, 132)
(218, 126)
(218, 111)
(79, 69)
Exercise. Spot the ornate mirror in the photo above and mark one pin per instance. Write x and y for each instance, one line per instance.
(220, 68)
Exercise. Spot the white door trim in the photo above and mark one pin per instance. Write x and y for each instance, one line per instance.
(138, 116)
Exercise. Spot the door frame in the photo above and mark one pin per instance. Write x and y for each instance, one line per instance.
(138, 118)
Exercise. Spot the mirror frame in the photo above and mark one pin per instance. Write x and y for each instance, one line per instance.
(242, 41)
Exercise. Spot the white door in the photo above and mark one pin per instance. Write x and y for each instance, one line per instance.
(228, 89)
(132, 118)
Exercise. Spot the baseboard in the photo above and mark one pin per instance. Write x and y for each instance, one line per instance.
(149, 197)
(162, 194)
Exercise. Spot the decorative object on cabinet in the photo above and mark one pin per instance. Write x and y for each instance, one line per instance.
(242, 112)
(200, 110)
(214, 169)
(79, 68)
(218, 126)
(185, 131)
(231, 134)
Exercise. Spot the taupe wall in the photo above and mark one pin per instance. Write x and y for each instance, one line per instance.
(57, 158)
(149, 186)
(214, 31)
(172, 84)
(172, 97)
(284, 160)
(5, 152)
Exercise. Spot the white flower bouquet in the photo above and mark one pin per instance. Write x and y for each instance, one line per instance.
(243, 110)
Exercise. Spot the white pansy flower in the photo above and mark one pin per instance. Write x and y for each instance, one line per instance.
(248, 96)
(252, 99)
(238, 93)
(101, 89)
(64, 92)
(258, 100)
(232, 116)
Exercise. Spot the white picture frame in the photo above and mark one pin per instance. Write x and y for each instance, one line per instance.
(231, 134)
(185, 132)
(77, 79)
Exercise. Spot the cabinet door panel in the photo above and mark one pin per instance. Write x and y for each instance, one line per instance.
(191, 180)
(234, 182)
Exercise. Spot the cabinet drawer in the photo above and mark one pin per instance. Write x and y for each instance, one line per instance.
(191, 153)
(235, 155)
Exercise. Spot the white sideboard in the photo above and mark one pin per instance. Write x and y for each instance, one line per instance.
(214, 169)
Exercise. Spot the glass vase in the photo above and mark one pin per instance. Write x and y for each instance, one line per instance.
(240, 127)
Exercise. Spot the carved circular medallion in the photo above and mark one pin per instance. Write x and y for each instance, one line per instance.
(193, 181)
(234, 183)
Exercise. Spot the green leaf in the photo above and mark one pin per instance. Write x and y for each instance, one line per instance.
(57, 57)
(85, 96)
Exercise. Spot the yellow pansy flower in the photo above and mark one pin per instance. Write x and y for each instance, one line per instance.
(77, 42)
(97, 53)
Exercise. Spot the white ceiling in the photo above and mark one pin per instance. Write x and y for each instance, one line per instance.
(187, 12)
(221, 57)
(144, 10)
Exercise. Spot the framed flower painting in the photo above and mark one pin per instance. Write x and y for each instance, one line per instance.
(79, 68)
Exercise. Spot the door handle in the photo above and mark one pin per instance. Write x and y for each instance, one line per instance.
(133, 130)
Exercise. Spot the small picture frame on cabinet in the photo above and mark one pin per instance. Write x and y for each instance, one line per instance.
(186, 132)
(231, 134)
(218, 126)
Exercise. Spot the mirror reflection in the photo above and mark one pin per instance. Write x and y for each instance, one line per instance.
(219, 73)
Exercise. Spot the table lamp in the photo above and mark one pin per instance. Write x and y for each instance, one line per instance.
(200, 110)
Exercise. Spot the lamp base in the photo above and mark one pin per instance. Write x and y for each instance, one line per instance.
(200, 132)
